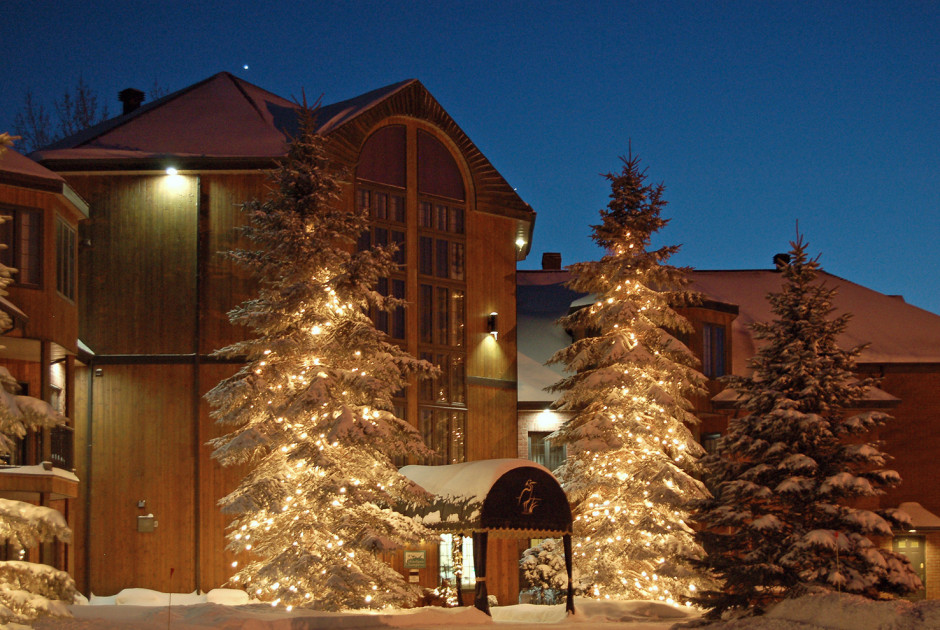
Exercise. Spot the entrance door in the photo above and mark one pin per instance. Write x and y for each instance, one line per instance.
(914, 549)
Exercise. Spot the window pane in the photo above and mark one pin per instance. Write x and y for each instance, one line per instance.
(456, 319)
(426, 255)
(456, 261)
(425, 312)
(424, 215)
(455, 224)
(396, 209)
(399, 239)
(397, 329)
(381, 205)
(441, 316)
(440, 254)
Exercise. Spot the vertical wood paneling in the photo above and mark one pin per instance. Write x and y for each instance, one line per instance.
(142, 445)
(225, 285)
(138, 274)
(78, 519)
(215, 482)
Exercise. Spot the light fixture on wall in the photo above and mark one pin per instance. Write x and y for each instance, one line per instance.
(491, 326)
(170, 170)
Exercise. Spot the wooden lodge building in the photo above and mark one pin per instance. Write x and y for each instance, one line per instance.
(149, 199)
(904, 355)
(164, 183)
(38, 353)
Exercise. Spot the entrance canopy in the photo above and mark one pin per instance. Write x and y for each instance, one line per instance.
(505, 497)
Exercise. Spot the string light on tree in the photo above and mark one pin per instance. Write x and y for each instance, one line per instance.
(630, 451)
(311, 412)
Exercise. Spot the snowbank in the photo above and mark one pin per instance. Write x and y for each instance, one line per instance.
(818, 612)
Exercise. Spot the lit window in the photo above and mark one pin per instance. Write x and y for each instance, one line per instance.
(468, 577)
(545, 452)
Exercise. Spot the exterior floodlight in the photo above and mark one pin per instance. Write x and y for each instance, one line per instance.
(520, 242)
(171, 170)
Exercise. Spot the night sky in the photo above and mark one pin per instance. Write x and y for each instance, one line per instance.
(754, 114)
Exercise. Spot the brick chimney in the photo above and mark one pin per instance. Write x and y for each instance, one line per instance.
(551, 261)
(781, 261)
(131, 99)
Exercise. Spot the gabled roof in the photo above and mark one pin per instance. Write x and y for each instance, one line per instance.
(897, 332)
(225, 122)
(22, 172)
(220, 117)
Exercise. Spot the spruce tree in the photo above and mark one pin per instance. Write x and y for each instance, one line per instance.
(787, 476)
(630, 450)
(311, 412)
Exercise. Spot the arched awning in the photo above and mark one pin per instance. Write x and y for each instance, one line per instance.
(505, 497)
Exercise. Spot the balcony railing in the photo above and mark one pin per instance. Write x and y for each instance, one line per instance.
(62, 439)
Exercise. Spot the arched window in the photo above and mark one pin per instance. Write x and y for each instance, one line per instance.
(437, 216)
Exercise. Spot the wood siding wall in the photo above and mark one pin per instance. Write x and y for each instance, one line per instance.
(156, 293)
(138, 276)
(51, 316)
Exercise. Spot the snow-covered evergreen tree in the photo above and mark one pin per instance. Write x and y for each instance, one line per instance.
(630, 451)
(27, 590)
(311, 412)
(787, 475)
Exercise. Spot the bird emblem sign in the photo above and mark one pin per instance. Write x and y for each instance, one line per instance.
(527, 500)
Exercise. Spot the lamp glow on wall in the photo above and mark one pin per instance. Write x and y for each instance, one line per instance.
(491, 324)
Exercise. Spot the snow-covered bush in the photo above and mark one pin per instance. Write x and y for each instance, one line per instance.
(543, 568)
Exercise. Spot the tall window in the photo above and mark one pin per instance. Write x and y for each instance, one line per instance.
(65, 259)
(21, 232)
(713, 351)
(386, 208)
(436, 218)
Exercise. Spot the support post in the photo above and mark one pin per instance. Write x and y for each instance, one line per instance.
(569, 601)
(480, 597)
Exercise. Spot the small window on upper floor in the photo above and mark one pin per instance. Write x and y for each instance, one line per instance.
(65, 259)
(21, 232)
(713, 351)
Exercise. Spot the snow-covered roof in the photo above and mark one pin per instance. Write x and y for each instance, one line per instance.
(491, 494)
(220, 117)
(921, 517)
(541, 298)
(22, 172)
(896, 332)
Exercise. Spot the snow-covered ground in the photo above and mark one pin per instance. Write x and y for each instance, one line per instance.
(808, 613)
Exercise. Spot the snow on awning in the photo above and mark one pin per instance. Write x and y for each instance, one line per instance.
(494, 495)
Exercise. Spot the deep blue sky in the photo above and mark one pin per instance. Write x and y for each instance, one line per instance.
(754, 114)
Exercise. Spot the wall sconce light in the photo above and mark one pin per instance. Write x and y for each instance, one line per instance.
(491, 327)
(520, 242)
(170, 170)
